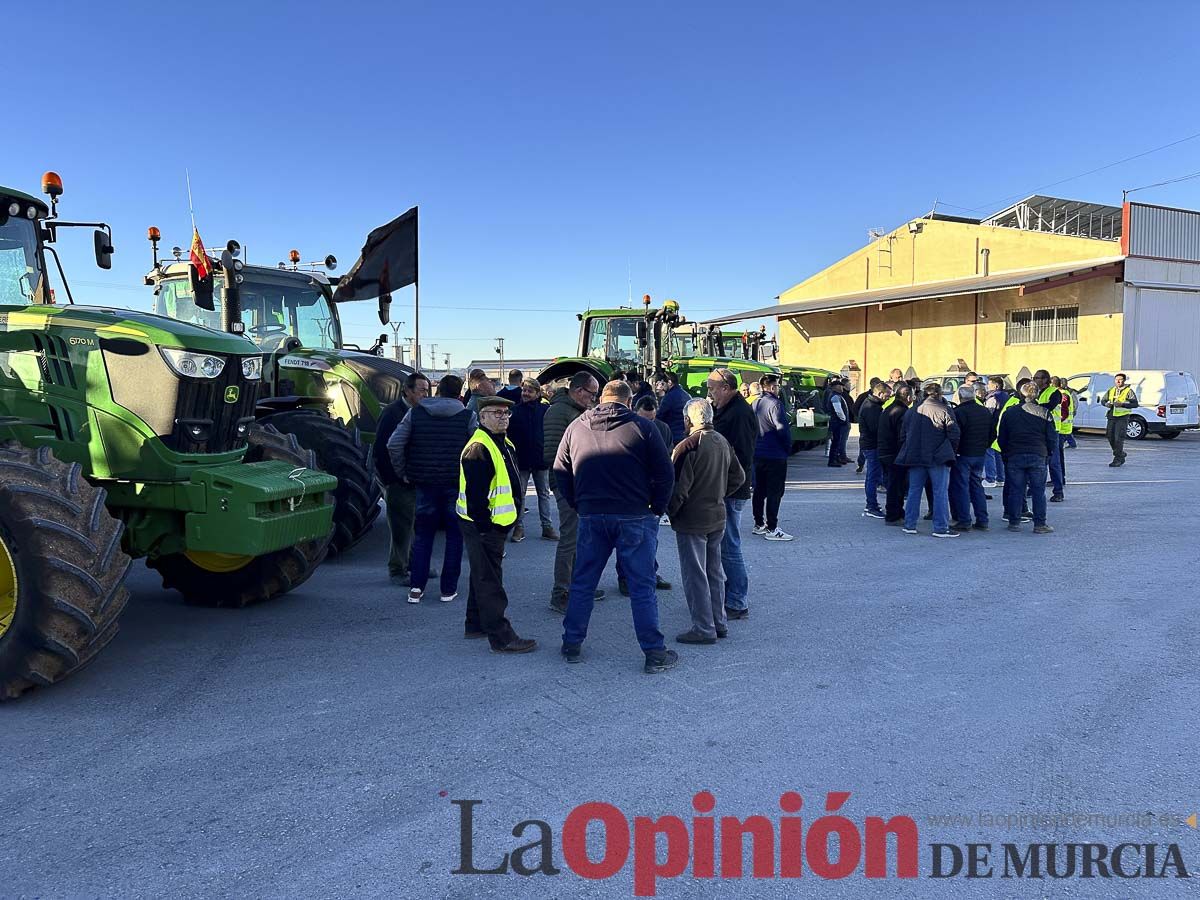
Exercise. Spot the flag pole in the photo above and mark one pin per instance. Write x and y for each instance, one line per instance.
(191, 209)
(417, 300)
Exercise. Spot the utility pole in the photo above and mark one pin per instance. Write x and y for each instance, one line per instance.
(447, 365)
(433, 354)
(500, 350)
(397, 350)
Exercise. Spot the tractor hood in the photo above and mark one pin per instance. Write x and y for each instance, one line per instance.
(153, 329)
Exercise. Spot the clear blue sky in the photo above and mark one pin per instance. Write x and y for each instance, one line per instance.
(723, 153)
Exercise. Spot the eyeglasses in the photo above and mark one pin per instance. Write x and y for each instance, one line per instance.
(502, 413)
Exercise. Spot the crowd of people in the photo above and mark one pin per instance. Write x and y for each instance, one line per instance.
(615, 462)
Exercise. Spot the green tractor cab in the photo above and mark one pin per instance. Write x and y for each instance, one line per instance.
(315, 386)
(810, 425)
(652, 340)
(122, 435)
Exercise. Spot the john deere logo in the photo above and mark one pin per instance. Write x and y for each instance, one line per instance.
(231, 394)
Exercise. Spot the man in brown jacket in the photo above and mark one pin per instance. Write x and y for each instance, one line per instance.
(706, 472)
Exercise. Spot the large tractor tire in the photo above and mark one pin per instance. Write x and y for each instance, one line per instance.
(340, 452)
(219, 579)
(62, 571)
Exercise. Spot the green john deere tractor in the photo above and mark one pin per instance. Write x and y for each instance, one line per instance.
(651, 340)
(122, 435)
(325, 392)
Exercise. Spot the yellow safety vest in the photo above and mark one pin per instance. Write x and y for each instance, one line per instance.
(1056, 412)
(1067, 425)
(501, 503)
(889, 401)
(1014, 400)
(1122, 397)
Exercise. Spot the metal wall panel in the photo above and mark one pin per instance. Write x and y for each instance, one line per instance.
(1160, 330)
(1163, 233)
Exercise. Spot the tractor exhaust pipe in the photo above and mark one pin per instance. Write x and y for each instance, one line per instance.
(231, 303)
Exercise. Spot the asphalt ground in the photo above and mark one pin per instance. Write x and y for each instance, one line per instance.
(311, 747)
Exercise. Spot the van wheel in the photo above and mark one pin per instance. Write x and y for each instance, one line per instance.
(1135, 428)
(1168, 435)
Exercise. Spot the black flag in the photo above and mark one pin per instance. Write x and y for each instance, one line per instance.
(388, 261)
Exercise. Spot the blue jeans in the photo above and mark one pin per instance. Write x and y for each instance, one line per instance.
(993, 465)
(966, 491)
(939, 477)
(1057, 476)
(737, 581)
(838, 432)
(1069, 439)
(874, 477)
(435, 509)
(1026, 471)
(635, 538)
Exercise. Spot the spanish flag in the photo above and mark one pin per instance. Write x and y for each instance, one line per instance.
(198, 256)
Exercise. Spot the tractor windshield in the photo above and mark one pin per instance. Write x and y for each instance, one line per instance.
(274, 307)
(615, 340)
(21, 279)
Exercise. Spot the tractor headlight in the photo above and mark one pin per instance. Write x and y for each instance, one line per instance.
(193, 365)
(252, 367)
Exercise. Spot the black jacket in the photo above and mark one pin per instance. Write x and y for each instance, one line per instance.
(930, 436)
(391, 417)
(477, 470)
(611, 461)
(1028, 428)
(889, 438)
(737, 423)
(975, 422)
(870, 411)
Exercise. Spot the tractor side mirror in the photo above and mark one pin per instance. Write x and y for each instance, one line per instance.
(104, 248)
(385, 308)
(202, 289)
(641, 332)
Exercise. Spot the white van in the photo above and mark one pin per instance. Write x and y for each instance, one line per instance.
(1170, 402)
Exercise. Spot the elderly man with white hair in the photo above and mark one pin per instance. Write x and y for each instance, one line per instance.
(706, 472)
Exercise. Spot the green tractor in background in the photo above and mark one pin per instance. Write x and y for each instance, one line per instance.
(122, 435)
(325, 392)
(652, 340)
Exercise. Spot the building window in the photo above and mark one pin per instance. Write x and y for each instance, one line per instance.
(1047, 325)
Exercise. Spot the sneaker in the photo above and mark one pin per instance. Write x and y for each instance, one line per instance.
(908, 530)
(722, 632)
(548, 533)
(571, 653)
(518, 534)
(732, 614)
(447, 598)
(560, 608)
(759, 529)
(415, 595)
(1042, 529)
(661, 584)
(692, 636)
(1113, 464)
(778, 535)
(873, 513)
(660, 661)
(1057, 498)
(946, 534)
(991, 484)
(979, 526)
(859, 470)
(1026, 518)
(960, 526)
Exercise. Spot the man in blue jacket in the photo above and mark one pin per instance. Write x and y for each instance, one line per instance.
(771, 452)
(612, 467)
(525, 432)
(670, 407)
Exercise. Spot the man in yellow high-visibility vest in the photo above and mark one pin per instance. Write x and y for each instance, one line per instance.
(1118, 400)
(1051, 398)
(487, 510)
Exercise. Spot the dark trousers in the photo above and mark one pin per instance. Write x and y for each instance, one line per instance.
(838, 432)
(1025, 471)
(966, 491)
(635, 540)
(1114, 429)
(487, 602)
(435, 509)
(770, 479)
(896, 479)
(401, 508)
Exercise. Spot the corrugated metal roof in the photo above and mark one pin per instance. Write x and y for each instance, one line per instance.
(975, 284)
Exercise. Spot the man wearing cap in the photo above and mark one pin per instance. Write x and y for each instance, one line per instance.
(487, 509)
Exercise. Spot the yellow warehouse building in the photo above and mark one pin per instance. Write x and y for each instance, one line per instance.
(1047, 283)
